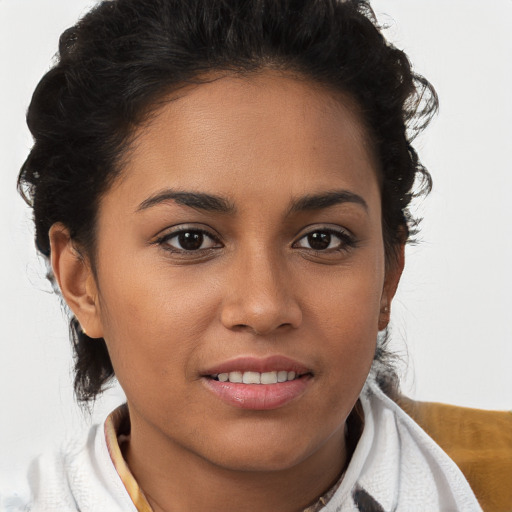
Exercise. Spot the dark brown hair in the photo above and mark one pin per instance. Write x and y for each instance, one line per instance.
(118, 61)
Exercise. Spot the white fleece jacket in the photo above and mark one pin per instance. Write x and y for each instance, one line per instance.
(396, 467)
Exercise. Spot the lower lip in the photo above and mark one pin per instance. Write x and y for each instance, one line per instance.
(258, 397)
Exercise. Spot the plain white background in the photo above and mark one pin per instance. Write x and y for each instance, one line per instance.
(452, 316)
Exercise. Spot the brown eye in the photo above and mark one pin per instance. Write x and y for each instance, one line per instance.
(326, 240)
(188, 240)
(319, 240)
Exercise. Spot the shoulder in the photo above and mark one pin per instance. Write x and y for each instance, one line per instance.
(478, 441)
(399, 465)
(43, 484)
(79, 476)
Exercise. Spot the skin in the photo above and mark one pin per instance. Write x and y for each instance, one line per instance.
(257, 288)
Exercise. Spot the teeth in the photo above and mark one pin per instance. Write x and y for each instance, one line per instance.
(282, 376)
(252, 378)
(256, 377)
(269, 378)
(236, 377)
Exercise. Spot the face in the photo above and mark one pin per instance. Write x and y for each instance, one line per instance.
(243, 242)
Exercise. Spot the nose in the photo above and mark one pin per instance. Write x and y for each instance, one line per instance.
(260, 296)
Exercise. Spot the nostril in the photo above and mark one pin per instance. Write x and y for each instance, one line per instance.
(260, 313)
(261, 318)
(261, 330)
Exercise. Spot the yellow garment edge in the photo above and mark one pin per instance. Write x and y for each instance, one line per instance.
(478, 441)
(112, 433)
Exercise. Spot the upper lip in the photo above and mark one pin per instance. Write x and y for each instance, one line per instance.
(258, 364)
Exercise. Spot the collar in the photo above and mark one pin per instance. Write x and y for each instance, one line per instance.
(117, 432)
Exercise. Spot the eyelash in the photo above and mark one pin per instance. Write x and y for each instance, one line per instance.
(165, 239)
(347, 241)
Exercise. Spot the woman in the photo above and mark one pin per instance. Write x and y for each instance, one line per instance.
(222, 190)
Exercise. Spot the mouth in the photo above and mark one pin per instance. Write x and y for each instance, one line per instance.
(258, 384)
(250, 377)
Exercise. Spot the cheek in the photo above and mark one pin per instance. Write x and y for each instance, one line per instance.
(153, 319)
(343, 308)
(346, 298)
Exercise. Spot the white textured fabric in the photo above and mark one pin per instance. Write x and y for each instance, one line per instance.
(79, 478)
(396, 467)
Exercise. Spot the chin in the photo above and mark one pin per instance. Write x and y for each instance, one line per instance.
(265, 451)
(258, 461)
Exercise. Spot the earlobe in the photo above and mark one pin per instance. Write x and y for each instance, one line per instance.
(76, 280)
(393, 274)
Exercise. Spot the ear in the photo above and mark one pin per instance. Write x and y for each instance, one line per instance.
(393, 273)
(76, 280)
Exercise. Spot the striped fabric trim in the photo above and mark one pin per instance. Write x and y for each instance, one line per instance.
(115, 434)
(117, 431)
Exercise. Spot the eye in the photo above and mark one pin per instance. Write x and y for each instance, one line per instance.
(326, 240)
(188, 240)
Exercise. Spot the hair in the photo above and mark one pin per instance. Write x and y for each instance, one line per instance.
(121, 59)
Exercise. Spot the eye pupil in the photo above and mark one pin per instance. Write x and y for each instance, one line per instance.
(319, 240)
(191, 240)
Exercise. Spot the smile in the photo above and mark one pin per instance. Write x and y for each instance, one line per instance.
(249, 377)
(258, 383)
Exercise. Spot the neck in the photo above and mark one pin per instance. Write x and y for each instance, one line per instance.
(175, 479)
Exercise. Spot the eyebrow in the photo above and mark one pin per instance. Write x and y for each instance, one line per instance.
(325, 200)
(217, 204)
(197, 200)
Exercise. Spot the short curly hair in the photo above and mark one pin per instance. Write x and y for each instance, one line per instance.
(121, 58)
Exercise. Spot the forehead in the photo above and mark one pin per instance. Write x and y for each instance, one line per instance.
(249, 137)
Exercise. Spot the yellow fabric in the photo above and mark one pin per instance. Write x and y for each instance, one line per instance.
(117, 431)
(478, 441)
(116, 428)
